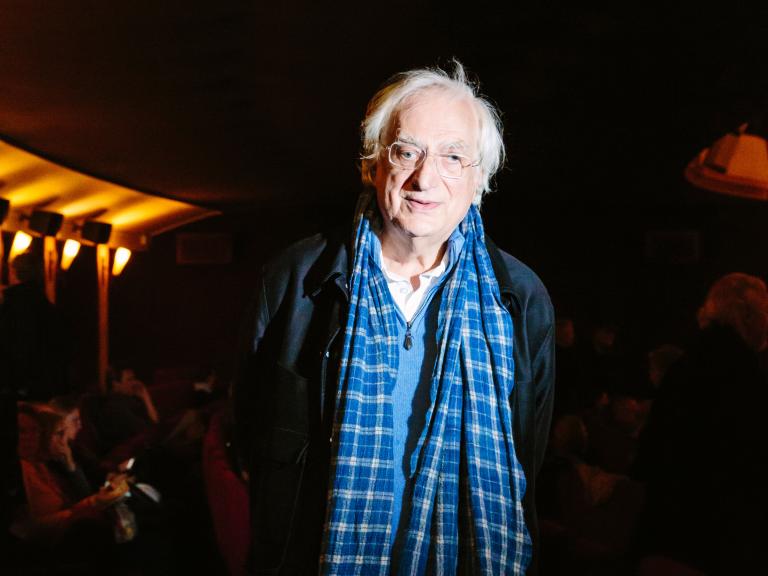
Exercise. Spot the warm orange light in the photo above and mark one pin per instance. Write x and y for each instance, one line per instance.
(71, 248)
(122, 255)
(21, 241)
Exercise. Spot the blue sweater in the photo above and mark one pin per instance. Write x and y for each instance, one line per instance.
(411, 394)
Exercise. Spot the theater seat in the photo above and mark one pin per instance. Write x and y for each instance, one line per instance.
(227, 496)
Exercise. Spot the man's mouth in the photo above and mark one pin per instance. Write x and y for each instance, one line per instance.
(421, 204)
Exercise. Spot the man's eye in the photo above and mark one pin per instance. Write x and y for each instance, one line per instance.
(408, 153)
(452, 158)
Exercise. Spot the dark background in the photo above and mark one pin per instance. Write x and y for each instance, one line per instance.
(253, 108)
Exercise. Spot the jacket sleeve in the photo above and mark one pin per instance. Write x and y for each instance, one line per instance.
(544, 389)
(244, 391)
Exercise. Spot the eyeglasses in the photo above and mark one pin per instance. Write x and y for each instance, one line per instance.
(410, 157)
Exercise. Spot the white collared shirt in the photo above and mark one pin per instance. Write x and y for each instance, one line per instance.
(406, 298)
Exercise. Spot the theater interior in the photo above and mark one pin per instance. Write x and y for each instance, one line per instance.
(197, 139)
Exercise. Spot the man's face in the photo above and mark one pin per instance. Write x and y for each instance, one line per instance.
(421, 203)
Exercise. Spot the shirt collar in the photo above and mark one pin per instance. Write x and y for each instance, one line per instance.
(450, 257)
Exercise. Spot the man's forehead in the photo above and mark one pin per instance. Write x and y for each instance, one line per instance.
(449, 140)
(440, 116)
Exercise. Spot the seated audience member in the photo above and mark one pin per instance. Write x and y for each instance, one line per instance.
(129, 385)
(613, 428)
(65, 515)
(69, 408)
(115, 425)
(205, 382)
(700, 453)
(124, 422)
(659, 361)
(588, 514)
(63, 512)
(128, 408)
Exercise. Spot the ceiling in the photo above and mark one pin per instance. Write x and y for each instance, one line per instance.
(29, 184)
(236, 104)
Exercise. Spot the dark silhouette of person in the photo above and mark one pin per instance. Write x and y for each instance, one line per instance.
(702, 453)
(32, 365)
(32, 336)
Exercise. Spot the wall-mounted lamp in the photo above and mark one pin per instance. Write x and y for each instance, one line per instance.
(45, 223)
(737, 164)
(96, 232)
(21, 241)
(71, 248)
(122, 255)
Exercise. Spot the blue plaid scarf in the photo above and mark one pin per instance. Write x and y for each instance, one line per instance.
(466, 512)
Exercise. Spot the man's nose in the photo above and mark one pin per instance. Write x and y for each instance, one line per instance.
(425, 176)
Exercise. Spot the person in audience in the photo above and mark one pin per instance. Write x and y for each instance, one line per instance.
(659, 361)
(34, 347)
(127, 384)
(124, 413)
(63, 514)
(588, 513)
(700, 454)
(613, 429)
(69, 407)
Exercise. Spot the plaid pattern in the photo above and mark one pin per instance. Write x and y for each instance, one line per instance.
(466, 513)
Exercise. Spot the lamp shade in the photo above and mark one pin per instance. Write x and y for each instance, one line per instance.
(737, 164)
(96, 232)
(45, 223)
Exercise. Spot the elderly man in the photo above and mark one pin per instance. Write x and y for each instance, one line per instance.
(396, 393)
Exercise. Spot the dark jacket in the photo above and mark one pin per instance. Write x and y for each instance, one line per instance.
(285, 392)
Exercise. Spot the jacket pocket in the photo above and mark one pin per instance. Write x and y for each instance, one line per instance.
(278, 460)
(275, 495)
(288, 405)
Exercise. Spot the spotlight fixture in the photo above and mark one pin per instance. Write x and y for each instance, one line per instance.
(45, 223)
(96, 232)
(122, 255)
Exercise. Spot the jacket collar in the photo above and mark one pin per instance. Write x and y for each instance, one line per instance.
(506, 286)
(332, 269)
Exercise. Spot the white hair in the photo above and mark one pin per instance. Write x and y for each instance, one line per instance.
(740, 301)
(383, 107)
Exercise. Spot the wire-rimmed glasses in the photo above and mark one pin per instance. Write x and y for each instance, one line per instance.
(407, 156)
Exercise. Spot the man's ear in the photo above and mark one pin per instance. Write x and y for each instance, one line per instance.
(368, 169)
